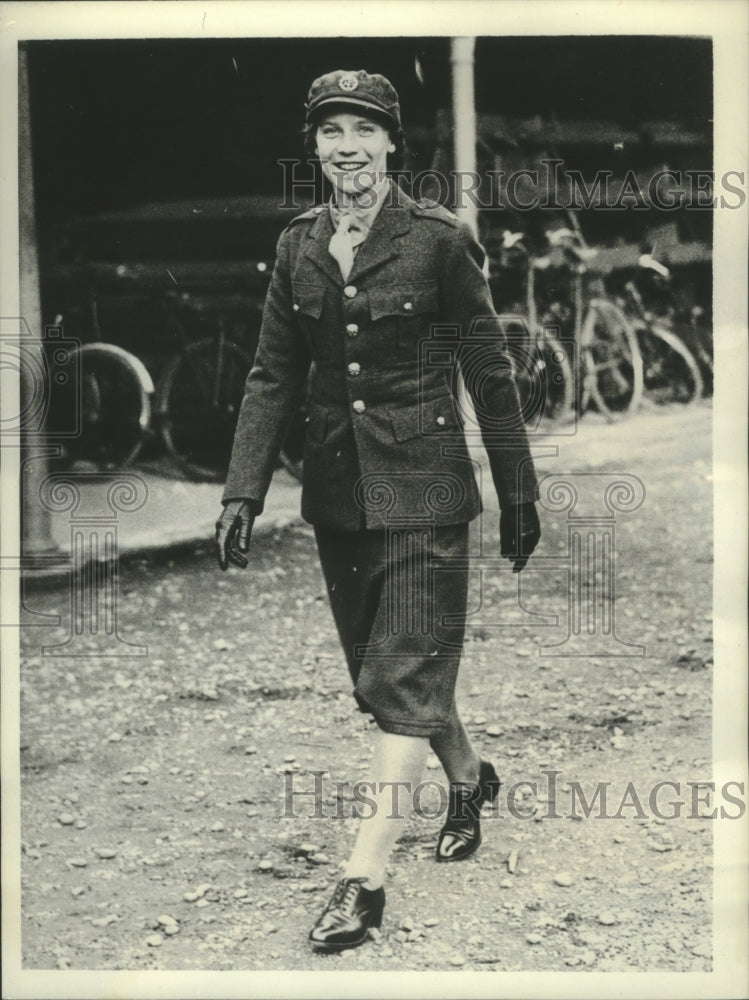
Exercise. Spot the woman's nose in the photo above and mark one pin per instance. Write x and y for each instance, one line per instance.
(347, 143)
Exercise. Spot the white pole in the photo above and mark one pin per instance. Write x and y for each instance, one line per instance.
(36, 518)
(464, 128)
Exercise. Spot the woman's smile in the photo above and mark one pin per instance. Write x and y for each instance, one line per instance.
(353, 151)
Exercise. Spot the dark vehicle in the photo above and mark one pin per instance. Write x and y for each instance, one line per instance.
(165, 301)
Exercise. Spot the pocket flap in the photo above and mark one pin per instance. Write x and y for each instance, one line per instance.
(408, 299)
(431, 417)
(308, 299)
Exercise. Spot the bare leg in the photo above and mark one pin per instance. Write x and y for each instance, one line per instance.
(455, 751)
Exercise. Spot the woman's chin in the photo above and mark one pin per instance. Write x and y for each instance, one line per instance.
(353, 183)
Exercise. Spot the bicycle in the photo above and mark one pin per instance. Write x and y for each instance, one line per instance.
(606, 364)
(671, 372)
(200, 389)
(543, 374)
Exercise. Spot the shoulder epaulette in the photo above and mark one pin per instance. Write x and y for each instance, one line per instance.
(310, 214)
(430, 209)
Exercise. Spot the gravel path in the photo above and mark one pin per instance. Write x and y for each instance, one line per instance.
(154, 788)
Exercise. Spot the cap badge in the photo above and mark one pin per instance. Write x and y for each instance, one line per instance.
(348, 82)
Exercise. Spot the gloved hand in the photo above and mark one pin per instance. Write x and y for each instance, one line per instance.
(233, 530)
(519, 532)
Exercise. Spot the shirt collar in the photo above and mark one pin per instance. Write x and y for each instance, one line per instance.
(362, 218)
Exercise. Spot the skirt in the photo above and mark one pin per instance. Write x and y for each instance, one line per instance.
(398, 598)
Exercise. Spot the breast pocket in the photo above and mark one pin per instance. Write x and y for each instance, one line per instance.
(410, 307)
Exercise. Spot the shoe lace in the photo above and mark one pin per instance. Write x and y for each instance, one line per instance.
(346, 892)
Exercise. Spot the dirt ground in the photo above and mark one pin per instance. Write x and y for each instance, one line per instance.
(154, 788)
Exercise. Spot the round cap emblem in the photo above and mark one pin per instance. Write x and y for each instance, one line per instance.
(348, 82)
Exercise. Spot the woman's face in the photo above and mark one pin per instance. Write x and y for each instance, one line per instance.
(353, 151)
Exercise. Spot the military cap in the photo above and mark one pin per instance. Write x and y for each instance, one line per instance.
(356, 87)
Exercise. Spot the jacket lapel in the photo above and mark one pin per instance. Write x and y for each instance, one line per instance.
(380, 246)
(316, 247)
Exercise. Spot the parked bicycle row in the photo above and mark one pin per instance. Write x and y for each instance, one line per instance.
(573, 352)
(594, 351)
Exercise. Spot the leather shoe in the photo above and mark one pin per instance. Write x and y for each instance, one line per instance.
(461, 834)
(345, 921)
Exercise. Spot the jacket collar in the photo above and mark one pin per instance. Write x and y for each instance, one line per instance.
(393, 220)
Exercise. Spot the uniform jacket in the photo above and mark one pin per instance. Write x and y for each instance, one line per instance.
(385, 435)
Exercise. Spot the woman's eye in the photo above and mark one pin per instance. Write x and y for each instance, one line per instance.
(366, 130)
(328, 132)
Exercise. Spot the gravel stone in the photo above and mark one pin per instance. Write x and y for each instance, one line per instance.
(154, 941)
(563, 879)
(66, 819)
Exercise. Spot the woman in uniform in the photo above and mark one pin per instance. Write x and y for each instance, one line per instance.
(380, 299)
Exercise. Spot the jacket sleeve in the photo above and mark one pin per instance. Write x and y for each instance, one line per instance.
(272, 391)
(486, 367)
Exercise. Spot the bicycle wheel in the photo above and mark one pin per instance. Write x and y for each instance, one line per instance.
(557, 380)
(611, 360)
(671, 372)
(542, 372)
(113, 404)
(197, 404)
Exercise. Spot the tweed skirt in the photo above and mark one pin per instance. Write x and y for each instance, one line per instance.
(398, 597)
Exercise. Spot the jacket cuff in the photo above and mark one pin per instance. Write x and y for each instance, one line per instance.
(256, 506)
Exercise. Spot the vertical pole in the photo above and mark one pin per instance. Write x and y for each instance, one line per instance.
(36, 524)
(464, 125)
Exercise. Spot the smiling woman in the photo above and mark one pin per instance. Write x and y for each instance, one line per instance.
(358, 288)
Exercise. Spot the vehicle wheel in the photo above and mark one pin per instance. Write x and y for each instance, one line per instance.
(197, 405)
(557, 380)
(611, 360)
(670, 370)
(113, 402)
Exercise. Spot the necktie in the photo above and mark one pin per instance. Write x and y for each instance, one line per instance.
(341, 246)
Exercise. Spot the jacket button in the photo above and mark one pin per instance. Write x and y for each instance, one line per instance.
(441, 421)
(408, 306)
(350, 291)
(295, 307)
(354, 368)
(352, 329)
(359, 406)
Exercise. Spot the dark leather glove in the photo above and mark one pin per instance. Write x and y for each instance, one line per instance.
(519, 532)
(233, 530)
